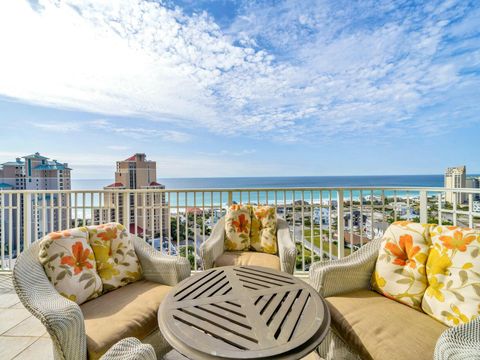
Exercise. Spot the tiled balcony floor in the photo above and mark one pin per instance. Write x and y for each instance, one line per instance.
(22, 336)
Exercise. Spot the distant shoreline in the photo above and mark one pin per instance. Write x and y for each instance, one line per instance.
(280, 182)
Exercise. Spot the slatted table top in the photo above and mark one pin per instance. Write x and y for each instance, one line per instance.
(244, 312)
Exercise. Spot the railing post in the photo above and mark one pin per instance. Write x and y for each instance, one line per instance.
(126, 209)
(454, 211)
(423, 207)
(340, 225)
(470, 210)
(27, 220)
(230, 198)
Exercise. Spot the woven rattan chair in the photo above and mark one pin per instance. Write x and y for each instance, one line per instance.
(130, 349)
(353, 273)
(64, 319)
(213, 248)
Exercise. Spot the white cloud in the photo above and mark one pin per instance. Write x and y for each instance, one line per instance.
(230, 153)
(304, 70)
(149, 133)
(99, 124)
(139, 133)
(175, 136)
(118, 147)
(62, 127)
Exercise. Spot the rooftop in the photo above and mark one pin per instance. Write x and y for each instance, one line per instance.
(52, 165)
(115, 185)
(35, 156)
(13, 163)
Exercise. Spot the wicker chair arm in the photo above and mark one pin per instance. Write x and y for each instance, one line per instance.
(160, 268)
(459, 342)
(130, 349)
(286, 247)
(212, 248)
(351, 273)
(62, 318)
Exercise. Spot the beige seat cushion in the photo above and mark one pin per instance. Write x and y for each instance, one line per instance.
(230, 258)
(381, 328)
(127, 311)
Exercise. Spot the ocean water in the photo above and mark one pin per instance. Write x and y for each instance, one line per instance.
(216, 198)
(279, 182)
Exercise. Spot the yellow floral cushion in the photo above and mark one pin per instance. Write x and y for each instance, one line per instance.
(117, 262)
(69, 263)
(255, 228)
(237, 228)
(400, 269)
(263, 235)
(453, 270)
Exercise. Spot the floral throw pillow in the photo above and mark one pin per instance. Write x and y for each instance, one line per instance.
(117, 262)
(69, 263)
(237, 228)
(400, 269)
(263, 236)
(255, 229)
(453, 270)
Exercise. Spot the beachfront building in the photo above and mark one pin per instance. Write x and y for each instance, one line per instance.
(147, 210)
(321, 216)
(4, 201)
(34, 172)
(355, 220)
(473, 182)
(455, 178)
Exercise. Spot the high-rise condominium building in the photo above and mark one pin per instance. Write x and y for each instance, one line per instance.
(455, 178)
(146, 209)
(473, 182)
(34, 172)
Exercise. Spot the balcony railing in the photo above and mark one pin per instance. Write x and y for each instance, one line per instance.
(325, 223)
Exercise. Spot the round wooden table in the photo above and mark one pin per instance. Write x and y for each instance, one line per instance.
(243, 312)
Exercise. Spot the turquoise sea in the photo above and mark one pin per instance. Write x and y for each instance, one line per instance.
(189, 198)
(279, 182)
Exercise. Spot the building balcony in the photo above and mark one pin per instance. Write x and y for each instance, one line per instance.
(325, 224)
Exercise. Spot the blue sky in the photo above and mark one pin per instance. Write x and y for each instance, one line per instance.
(233, 88)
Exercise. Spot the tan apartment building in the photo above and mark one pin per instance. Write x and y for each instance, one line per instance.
(36, 172)
(455, 178)
(146, 210)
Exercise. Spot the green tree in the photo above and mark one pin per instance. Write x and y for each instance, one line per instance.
(180, 228)
(183, 250)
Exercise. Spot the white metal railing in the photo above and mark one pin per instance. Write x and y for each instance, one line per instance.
(326, 223)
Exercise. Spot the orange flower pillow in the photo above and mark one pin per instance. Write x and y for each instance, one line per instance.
(237, 228)
(453, 270)
(263, 235)
(69, 263)
(400, 269)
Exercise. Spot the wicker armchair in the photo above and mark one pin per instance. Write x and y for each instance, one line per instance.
(213, 248)
(64, 319)
(130, 349)
(353, 273)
